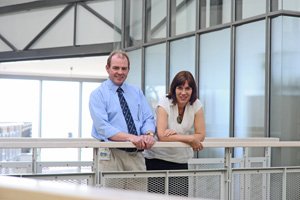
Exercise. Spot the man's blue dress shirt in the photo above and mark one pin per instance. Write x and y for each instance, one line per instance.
(107, 115)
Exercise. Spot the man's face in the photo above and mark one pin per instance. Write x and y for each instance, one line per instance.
(118, 69)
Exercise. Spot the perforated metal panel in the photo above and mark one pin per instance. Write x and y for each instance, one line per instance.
(73, 181)
(207, 185)
(76, 178)
(13, 170)
(276, 186)
(207, 166)
(136, 184)
(293, 185)
(15, 167)
(66, 169)
(250, 186)
(261, 184)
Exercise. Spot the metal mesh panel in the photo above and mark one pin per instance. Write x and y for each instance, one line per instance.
(236, 165)
(178, 186)
(207, 166)
(199, 186)
(257, 164)
(238, 186)
(208, 187)
(275, 186)
(249, 186)
(13, 170)
(257, 186)
(66, 169)
(293, 185)
(73, 181)
(79, 179)
(156, 185)
(137, 184)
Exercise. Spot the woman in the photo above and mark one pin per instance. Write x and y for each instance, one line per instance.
(176, 115)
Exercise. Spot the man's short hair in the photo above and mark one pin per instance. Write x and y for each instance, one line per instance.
(120, 53)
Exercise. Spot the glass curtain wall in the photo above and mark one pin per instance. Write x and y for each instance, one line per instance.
(214, 12)
(87, 34)
(133, 22)
(182, 56)
(215, 95)
(155, 74)
(249, 105)
(60, 104)
(86, 121)
(249, 8)
(174, 23)
(135, 74)
(58, 112)
(183, 17)
(156, 21)
(60, 116)
(20, 102)
(285, 88)
(292, 5)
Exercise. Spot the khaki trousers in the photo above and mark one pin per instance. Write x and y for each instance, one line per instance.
(124, 161)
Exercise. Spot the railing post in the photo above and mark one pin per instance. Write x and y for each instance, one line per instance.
(167, 183)
(284, 178)
(228, 176)
(34, 160)
(268, 156)
(96, 167)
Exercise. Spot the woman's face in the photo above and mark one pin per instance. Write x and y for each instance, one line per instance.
(183, 93)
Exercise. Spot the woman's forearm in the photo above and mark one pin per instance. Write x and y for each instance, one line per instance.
(177, 138)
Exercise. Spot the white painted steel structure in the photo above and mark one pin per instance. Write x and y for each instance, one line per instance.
(12, 188)
(232, 183)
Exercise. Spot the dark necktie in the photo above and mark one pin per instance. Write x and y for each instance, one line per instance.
(126, 113)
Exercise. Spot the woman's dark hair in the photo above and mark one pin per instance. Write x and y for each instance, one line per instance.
(179, 80)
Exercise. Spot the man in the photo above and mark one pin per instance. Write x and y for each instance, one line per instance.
(108, 110)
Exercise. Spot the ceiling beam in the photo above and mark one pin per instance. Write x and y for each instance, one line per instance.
(58, 52)
(35, 5)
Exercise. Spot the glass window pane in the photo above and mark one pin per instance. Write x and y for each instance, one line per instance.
(86, 126)
(182, 56)
(215, 95)
(93, 31)
(21, 27)
(60, 116)
(291, 5)
(155, 74)
(60, 109)
(86, 120)
(133, 30)
(214, 12)
(250, 80)
(60, 34)
(183, 16)
(135, 74)
(285, 101)
(156, 13)
(249, 8)
(20, 102)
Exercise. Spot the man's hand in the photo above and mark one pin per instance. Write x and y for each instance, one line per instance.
(138, 141)
(149, 141)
